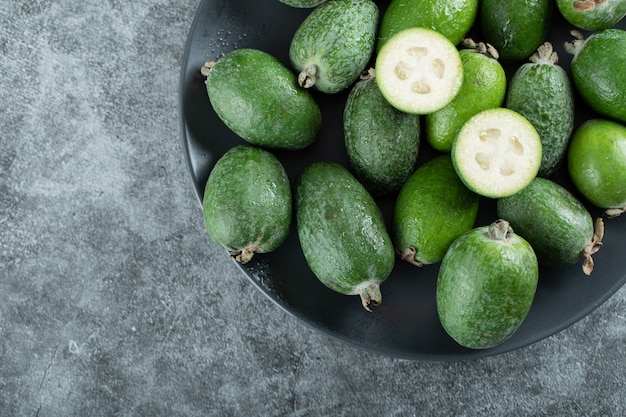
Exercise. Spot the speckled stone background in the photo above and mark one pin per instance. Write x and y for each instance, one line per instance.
(113, 302)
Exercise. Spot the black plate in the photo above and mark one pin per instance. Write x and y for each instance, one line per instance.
(406, 324)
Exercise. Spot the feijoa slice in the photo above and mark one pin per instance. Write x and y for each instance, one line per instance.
(497, 152)
(419, 70)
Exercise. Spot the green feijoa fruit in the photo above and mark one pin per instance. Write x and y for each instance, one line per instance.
(432, 209)
(302, 3)
(554, 222)
(592, 14)
(419, 71)
(247, 203)
(541, 91)
(596, 162)
(382, 142)
(598, 69)
(486, 285)
(484, 87)
(258, 98)
(515, 28)
(497, 152)
(342, 232)
(334, 43)
(453, 19)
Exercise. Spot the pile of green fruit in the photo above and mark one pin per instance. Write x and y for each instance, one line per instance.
(413, 75)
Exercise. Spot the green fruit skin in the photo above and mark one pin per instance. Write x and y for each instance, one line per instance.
(382, 142)
(259, 99)
(485, 287)
(597, 162)
(453, 19)
(302, 3)
(337, 38)
(551, 219)
(542, 92)
(247, 200)
(598, 73)
(596, 16)
(515, 28)
(432, 209)
(341, 229)
(484, 87)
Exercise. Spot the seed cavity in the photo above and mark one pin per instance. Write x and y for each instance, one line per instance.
(417, 52)
(483, 160)
(516, 146)
(420, 69)
(402, 71)
(438, 68)
(499, 152)
(420, 87)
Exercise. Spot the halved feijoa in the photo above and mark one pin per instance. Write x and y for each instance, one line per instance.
(497, 152)
(419, 70)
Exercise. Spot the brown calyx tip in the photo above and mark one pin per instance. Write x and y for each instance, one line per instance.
(370, 295)
(545, 54)
(500, 230)
(368, 74)
(586, 5)
(206, 68)
(575, 45)
(614, 212)
(245, 254)
(482, 47)
(593, 246)
(308, 76)
(408, 255)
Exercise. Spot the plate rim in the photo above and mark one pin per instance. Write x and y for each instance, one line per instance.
(464, 355)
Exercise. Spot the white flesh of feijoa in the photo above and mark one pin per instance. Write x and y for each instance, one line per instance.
(419, 71)
(497, 153)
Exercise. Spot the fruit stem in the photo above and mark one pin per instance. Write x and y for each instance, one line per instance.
(245, 254)
(593, 246)
(369, 291)
(308, 76)
(206, 68)
(499, 230)
(408, 255)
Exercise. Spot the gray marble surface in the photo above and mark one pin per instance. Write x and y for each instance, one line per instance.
(113, 301)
